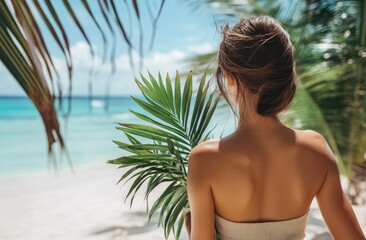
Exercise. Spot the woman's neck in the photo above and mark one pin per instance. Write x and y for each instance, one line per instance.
(250, 119)
(256, 122)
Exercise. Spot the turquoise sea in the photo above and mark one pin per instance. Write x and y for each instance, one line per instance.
(88, 132)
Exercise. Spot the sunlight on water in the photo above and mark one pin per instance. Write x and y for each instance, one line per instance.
(97, 103)
(122, 116)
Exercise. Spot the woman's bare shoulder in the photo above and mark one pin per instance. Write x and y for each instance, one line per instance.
(314, 143)
(205, 150)
(202, 157)
(206, 147)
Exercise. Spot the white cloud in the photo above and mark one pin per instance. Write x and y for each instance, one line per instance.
(200, 49)
(122, 82)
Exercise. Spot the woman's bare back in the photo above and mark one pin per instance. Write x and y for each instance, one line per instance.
(265, 176)
(268, 175)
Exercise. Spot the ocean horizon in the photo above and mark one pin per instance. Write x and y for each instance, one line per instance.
(88, 132)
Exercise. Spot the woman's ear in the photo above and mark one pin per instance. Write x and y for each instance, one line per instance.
(231, 87)
(229, 79)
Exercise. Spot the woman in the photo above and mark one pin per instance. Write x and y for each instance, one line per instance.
(259, 181)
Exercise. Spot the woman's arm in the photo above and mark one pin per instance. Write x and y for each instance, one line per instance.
(200, 198)
(334, 206)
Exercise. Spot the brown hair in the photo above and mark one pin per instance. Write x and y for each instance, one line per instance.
(258, 54)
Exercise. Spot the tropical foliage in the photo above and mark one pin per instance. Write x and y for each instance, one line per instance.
(25, 52)
(335, 84)
(329, 38)
(175, 122)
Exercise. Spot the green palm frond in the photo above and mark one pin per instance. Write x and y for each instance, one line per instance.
(25, 66)
(176, 120)
(25, 52)
(330, 101)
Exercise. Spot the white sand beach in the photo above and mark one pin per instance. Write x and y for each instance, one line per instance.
(89, 205)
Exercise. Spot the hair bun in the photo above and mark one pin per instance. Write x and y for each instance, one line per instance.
(258, 53)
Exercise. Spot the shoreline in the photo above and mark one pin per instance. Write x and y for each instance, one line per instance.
(88, 204)
(63, 170)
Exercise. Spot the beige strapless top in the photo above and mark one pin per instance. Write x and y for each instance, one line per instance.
(292, 229)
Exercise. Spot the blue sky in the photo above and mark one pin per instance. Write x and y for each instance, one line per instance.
(181, 32)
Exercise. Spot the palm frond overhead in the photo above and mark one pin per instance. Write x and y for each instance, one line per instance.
(25, 52)
(175, 121)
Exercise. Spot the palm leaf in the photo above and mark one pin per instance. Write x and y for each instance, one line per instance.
(176, 121)
(25, 54)
(26, 69)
